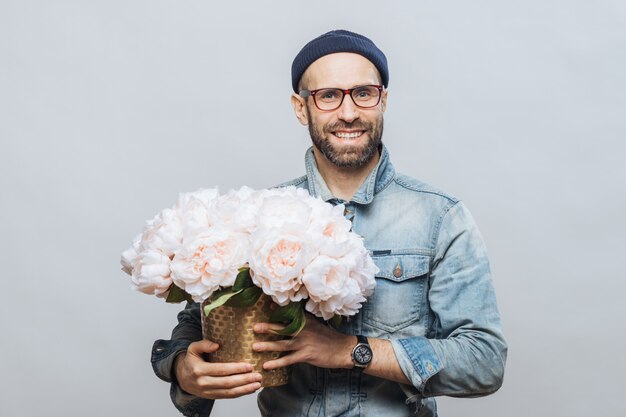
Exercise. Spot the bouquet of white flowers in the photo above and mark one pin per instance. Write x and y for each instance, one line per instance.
(226, 250)
(283, 242)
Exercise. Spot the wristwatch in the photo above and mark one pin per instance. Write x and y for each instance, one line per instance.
(362, 353)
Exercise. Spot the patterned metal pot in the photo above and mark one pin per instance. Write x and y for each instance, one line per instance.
(231, 328)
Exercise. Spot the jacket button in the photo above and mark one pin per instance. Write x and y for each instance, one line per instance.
(397, 272)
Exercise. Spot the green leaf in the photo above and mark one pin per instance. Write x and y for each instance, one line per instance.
(246, 298)
(296, 325)
(293, 315)
(335, 321)
(177, 295)
(243, 280)
(220, 300)
(285, 313)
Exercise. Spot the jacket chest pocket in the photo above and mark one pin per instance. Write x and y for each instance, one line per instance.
(401, 287)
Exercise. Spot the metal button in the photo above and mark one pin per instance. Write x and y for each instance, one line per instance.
(397, 272)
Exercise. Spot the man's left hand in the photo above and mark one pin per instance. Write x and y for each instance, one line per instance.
(317, 344)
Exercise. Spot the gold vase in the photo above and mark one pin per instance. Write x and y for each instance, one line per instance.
(231, 328)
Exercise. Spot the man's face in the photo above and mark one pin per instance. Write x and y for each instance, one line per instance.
(348, 136)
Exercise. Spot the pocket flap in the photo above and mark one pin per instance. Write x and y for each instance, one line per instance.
(400, 267)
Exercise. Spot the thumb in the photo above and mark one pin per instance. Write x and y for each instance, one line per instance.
(203, 346)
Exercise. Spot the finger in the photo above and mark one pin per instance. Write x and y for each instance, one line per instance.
(225, 369)
(226, 382)
(280, 362)
(275, 346)
(233, 392)
(268, 327)
(202, 346)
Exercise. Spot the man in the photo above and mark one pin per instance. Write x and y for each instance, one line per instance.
(432, 325)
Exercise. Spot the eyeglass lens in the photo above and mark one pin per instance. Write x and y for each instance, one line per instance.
(331, 98)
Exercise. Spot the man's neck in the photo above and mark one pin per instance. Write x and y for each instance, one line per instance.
(343, 182)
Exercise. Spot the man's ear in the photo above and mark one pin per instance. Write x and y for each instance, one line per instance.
(299, 108)
(383, 100)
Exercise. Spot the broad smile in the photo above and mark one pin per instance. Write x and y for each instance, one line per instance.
(348, 135)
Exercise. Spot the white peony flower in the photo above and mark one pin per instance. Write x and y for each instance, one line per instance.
(331, 232)
(363, 272)
(197, 212)
(209, 262)
(288, 207)
(206, 196)
(290, 191)
(277, 261)
(129, 256)
(151, 272)
(238, 209)
(345, 303)
(331, 287)
(324, 277)
(163, 233)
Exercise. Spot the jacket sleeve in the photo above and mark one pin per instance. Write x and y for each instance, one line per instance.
(464, 352)
(164, 352)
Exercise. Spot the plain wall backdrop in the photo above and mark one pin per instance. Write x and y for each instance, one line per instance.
(108, 109)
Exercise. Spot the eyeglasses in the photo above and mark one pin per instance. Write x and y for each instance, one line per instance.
(328, 99)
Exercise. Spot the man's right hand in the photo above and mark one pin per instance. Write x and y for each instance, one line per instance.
(213, 380)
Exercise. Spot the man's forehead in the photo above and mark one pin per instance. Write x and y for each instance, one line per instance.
(341, 69)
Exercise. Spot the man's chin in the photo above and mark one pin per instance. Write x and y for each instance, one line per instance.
(348, 158)
(344, 153)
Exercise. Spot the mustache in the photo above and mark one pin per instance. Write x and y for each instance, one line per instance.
(356, 125)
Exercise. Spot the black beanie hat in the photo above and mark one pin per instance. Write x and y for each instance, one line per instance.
(338, 41)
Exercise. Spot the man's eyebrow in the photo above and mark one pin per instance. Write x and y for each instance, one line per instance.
(341, 88)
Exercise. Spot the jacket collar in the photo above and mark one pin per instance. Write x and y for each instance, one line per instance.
(382, 174)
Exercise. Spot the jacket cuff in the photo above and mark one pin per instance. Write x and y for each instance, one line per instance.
(163, 355)
(190, 405)
(417, 359)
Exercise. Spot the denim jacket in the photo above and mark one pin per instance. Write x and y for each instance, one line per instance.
(434, 300)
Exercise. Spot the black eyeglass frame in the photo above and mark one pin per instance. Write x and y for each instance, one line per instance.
(312, 93)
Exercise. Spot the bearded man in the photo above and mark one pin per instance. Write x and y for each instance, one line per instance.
(431, 327)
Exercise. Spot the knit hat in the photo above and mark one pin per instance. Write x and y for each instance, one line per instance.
(338, 41)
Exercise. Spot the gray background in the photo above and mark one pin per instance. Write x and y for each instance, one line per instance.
(109, 108)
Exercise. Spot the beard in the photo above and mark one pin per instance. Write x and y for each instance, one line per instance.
(349, 156)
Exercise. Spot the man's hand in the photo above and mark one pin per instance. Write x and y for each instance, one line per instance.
(316, 344)
(324, 347)
(213, 380)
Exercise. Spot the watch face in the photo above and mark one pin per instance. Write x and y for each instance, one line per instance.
(363, 354)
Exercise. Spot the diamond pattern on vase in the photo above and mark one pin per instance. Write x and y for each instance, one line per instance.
(231, 328)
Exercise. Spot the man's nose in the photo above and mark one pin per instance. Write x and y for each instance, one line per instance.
(348, 111)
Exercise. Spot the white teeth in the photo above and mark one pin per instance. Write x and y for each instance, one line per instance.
(348, 135)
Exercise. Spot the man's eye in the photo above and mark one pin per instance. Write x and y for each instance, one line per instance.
(328, 95)
(364, 93)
